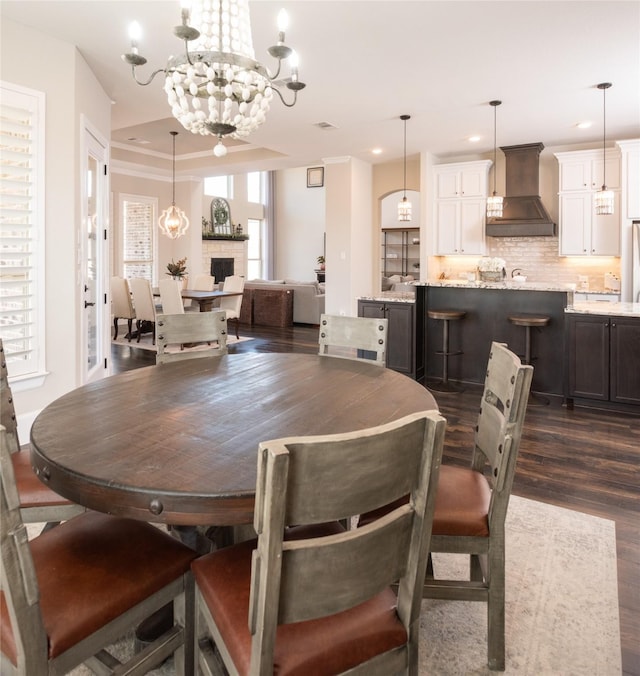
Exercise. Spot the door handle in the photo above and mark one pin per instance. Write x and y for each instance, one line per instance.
(86, 305)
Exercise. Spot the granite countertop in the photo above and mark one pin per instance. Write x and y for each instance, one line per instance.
(391, 296)
(595, 307)
(506, 285)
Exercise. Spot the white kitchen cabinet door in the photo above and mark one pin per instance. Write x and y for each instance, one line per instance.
(582, 232)
(472, 231)
(447, 227)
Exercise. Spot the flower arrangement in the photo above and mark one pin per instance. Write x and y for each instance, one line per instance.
(491, 269)
(486, 264)
(178, 269)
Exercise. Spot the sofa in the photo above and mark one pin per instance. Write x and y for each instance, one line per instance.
(308, 297)
(398, 284)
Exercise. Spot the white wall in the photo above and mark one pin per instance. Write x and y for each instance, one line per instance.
(32, 59)
(299, 225)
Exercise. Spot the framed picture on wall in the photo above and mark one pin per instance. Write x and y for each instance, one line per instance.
(315, 177)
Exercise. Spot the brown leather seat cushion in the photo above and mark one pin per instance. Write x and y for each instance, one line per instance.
(324, 646)
(462, 504)
(32, 492)
(93, 568)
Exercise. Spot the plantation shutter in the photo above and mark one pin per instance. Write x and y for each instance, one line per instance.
(22, 228)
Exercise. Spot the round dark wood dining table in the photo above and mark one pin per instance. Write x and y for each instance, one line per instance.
(177, 443)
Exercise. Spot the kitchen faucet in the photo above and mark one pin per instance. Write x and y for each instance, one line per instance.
(516, 271)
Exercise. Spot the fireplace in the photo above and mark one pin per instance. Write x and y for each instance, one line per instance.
(221, 268)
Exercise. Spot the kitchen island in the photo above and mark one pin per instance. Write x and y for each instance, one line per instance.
(487, 306)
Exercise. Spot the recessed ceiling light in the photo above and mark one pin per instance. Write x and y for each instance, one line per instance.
(135, 139)
(376, 151)
(583, 125)
(474, 139)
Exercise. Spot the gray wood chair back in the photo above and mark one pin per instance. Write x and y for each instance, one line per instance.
(490, 477)
(349, 337)
(38, 503)
(192, 327)
(315, 480)
(499, 426)
(170, 297)
(9, 420)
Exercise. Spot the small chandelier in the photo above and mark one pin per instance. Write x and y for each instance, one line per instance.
(604, 198)
(494, 203)
(216, 87)
(173, 221)
(404, 206)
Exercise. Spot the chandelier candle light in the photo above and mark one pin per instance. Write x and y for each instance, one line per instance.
(216, 87)
(404, 206)
(604, 198)
(173, 221)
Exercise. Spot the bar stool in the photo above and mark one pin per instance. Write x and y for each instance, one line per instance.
(530, 321)
(445, 316)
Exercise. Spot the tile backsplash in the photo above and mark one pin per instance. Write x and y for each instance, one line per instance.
(536, 257)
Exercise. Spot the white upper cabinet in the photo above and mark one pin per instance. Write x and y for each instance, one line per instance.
(463, 179)
(582, 231)
(585, 172)
(460, 207)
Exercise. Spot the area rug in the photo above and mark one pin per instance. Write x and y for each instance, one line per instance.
(561, 602)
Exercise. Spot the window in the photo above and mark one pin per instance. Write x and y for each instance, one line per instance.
(254, 249)
(254, 187)
(219, 186)
(138, 217)
(22, 116)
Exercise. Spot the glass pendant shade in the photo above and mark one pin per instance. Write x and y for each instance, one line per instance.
(404, 206)
(494, 206)
(404, 210)
(604, 202)
(495, 202)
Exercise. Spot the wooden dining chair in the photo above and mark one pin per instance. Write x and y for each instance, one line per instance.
(144, 305)
(121, 305)
(471, 502)
(171, 297)
(309, 597)
(76, 589)
(350, 337)
(38, 503)
(190, 328)
(232, 304)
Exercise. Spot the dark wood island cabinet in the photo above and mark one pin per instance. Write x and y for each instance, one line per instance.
(405, 341)
(487, 307)
(603, 359)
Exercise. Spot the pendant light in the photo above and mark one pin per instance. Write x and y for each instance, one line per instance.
(173, 221)
(604, 198)
(494, 203)
(404, 206)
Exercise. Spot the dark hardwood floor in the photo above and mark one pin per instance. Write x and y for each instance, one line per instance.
(581, 459)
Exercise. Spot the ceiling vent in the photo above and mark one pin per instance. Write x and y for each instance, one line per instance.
(523, 214)
(325, 125)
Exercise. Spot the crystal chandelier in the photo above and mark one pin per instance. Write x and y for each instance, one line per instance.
(494, 203)
(604, 198)
(404, 206)
(173, 221)
(216, 87)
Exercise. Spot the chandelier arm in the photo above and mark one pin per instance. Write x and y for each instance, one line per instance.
(284, 103)
(151, 77)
